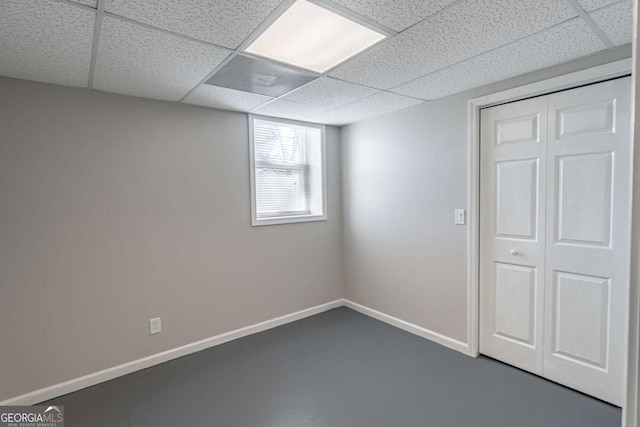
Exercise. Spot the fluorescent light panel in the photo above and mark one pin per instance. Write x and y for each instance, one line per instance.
(312, 37)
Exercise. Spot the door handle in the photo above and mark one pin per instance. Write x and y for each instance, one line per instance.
(514, 252)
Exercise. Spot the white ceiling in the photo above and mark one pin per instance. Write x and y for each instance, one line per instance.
(166, 49)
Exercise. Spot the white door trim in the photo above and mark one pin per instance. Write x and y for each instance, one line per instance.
(579, 78)
(630, 416)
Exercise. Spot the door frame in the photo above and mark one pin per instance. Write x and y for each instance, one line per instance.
(583, 77)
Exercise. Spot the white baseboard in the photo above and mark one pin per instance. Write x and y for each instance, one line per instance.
(146, 362)
(410, 327)
(89, 380)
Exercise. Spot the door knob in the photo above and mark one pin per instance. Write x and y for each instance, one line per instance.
(514, 252)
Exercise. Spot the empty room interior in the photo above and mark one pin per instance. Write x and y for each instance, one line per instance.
(319, 213)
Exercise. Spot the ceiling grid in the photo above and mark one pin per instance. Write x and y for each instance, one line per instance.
(562, 43)
(170, 49)
(96, 41)
(581, 12)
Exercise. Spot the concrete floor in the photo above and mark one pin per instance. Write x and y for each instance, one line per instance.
(336, 369)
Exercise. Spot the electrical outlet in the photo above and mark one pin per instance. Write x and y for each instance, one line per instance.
(155, 326)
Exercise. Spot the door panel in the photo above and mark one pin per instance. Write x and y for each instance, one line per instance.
(588, 238)
(581, 318)
(512, 223)
(585, 189)
(585, 119)
(516, 198)
(515, 288)
(518, 130)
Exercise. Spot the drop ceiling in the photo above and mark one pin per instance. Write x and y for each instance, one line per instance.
(172, 49)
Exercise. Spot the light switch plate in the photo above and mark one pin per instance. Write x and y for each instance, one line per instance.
(460, 216)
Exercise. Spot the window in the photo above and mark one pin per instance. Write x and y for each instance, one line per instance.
(287, 171)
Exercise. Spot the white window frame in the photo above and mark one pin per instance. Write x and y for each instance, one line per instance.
(252, 167)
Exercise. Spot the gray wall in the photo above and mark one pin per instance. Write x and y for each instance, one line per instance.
(403, 176)
(114, 210)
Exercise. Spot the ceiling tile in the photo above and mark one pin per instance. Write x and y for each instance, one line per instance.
(223, 22)
(560, 44)
(616, 21)
(397, 15)
(328, 93)
(289, 110)
(45, 41)
(462, 31)
(90, 3)
(590, 5)
(372, 106)
(225, 99)
(311, 102)
(142, 62)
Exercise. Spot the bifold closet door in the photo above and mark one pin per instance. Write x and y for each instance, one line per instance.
(555, 236)
(512, 222)
(588, 238)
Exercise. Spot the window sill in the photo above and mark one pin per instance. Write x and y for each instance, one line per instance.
(287, 220)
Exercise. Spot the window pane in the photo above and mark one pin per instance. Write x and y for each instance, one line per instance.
(283, 168)
(280, 144)
(281, 191)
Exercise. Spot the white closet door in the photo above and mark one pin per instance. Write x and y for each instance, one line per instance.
(588, 238)
(513, 173)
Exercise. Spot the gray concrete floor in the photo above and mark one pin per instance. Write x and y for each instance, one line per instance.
(336, 369)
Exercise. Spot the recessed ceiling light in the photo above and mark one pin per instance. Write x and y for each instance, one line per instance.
(312, 37)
